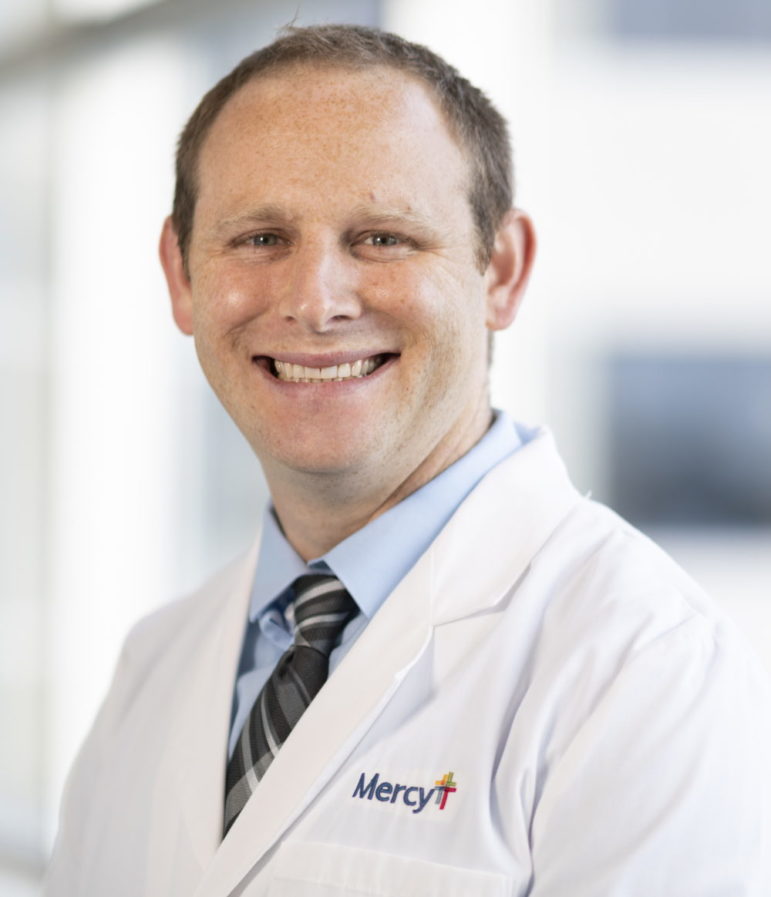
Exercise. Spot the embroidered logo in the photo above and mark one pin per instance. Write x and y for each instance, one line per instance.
(447, 786)
(416, 797)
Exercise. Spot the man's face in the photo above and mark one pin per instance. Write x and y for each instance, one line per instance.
(333, 232)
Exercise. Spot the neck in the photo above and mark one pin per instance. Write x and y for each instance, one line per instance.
(318, 511)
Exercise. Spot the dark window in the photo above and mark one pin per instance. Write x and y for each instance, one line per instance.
(690, 440)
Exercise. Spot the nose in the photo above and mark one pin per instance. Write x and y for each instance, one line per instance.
(320, 291)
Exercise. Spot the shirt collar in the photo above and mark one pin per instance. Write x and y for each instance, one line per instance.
(372, 561)
(278, 565)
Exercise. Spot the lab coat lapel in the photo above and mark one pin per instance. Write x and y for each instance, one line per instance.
(194, 760)
(489, 542)
(328, 731)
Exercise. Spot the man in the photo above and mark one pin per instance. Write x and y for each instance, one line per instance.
(441, 670)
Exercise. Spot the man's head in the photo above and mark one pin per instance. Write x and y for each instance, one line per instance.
(474, 122)
(333, 278)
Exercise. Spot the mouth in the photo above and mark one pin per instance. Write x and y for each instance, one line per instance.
(357, 369)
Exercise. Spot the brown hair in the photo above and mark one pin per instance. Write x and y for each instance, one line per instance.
(479, 127)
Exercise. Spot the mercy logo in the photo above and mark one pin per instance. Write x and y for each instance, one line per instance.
(416, 797)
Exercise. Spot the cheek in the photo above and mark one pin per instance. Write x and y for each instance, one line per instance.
(457, 318)
(440, 302)
(223, 303)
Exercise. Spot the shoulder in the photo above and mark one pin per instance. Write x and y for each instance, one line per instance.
(610, 562)
(176, 630)
(186, 611)
(651, 715)
(617, 600)
(574, 558)
(574, 571)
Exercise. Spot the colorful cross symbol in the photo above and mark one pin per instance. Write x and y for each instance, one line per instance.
(446, 786)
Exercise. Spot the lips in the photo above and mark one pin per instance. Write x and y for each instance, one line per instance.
(353, 369)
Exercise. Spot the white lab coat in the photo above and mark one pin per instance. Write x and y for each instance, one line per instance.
(604, 727)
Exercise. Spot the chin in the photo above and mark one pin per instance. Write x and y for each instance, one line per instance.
(319, 462)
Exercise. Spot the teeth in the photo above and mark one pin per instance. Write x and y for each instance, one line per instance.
(299, 374)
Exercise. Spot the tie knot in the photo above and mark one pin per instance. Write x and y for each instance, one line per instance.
(322, 607)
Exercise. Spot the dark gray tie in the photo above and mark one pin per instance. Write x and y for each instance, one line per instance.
(322, 607)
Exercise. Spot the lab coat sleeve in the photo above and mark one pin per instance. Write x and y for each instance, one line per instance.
(75, 837)
(664, 788)
(65, 868)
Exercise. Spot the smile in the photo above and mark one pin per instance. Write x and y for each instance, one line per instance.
(298, 373)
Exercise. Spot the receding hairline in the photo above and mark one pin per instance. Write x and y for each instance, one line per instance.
(279, 69)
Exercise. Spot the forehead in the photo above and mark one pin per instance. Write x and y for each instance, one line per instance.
(374, 130)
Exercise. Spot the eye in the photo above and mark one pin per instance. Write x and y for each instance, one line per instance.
(263, 240)
(383, 240)
(383, 246)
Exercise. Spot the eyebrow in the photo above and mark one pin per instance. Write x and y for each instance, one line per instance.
(388, 215)
(261, 213)
(373, 215)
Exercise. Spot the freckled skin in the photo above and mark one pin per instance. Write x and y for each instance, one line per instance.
(333, 216)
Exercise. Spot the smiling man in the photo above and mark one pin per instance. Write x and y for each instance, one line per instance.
(441, 669)
(334, 288)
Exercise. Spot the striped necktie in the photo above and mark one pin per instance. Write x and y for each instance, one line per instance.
(322, 607)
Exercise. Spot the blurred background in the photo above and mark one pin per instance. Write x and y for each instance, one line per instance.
(643, 136)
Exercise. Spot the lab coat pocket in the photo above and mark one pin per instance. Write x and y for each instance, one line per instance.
(308, 869)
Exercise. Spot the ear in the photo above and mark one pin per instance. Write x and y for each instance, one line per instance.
(509, 268)
(176, 278)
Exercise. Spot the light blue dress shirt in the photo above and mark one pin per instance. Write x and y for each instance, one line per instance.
(370, 563)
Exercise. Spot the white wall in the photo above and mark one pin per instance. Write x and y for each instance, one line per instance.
(113, 366)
